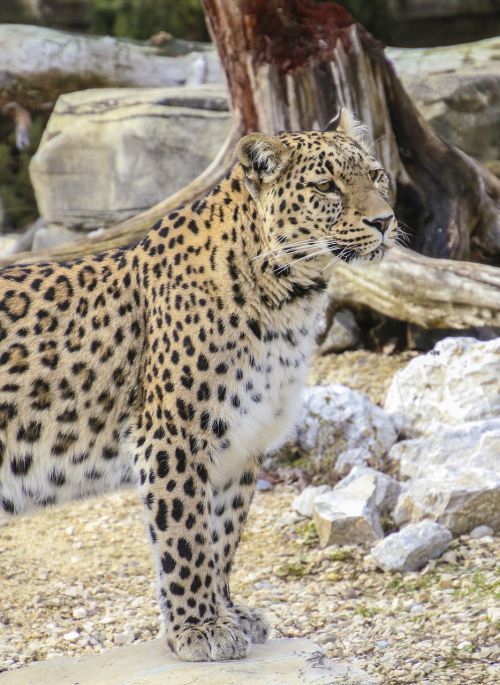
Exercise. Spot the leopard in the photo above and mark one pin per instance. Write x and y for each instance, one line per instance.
(177, 363)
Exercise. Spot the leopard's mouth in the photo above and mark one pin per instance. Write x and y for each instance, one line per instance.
(348, 255)
(343, 254)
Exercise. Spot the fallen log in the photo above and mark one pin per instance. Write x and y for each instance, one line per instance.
(433, 293)
(38, 64)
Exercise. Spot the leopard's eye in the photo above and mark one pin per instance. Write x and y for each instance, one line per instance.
(327, 187)
(376, 175)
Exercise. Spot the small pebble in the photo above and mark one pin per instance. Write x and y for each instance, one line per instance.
(263, 485)
(79, 612)
(417, 609)
(481, 532)
(493, 614)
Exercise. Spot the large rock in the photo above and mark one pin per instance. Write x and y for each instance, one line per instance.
(342, 426)
(457, 382)
(474, 444)
(111, 153)
(450, 399)
(349, 514)
(278, 662)
(412, 547)
(460, 499)
(457, 89)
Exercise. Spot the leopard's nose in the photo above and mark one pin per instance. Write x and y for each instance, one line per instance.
(381, 223)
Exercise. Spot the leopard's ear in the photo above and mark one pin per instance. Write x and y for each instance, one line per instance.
(263, 157)
(333, 124)
(345, 122)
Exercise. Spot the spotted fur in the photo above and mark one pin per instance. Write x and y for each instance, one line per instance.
(179, 362)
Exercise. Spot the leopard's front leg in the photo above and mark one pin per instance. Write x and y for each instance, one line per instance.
(178, 504)
(231, 502)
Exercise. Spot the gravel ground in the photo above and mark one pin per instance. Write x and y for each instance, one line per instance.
(79, 579)
(367, 372)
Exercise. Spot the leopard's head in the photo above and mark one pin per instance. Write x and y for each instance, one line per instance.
(321, 196)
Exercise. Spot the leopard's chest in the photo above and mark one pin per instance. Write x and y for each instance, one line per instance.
(268, 399)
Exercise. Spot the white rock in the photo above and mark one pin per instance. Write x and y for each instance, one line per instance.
(417, 609)
(278, 662)
(348, 515)
(481, 532)
(458, 381)
(348, 459)
(79, 612)
(303, 503)
(147, 143)
(460, 501)
(72, 591)
(412, 547)
(474, 444)
(385, 490)
(72, 636)
(337, 422)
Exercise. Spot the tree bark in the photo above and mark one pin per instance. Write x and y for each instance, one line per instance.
(433, 293)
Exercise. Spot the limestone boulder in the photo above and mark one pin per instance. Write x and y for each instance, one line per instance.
(459, 499)
(457, 90)
(412, 547)
(344, 427)
(457, 382)
(474, 444)
(109, 154)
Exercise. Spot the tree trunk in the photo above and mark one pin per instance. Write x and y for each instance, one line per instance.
(290, 64)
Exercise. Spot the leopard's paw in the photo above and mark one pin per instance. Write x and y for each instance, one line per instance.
(214, 640)
(252, 622)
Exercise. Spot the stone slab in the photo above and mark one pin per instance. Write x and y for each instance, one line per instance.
(278, 662)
